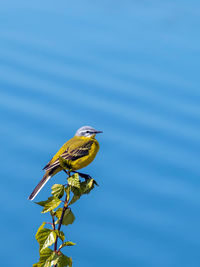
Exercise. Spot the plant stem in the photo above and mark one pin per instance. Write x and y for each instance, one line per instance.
(53, 220)
(61, 219)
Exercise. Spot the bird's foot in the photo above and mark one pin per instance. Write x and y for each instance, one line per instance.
(84, 175)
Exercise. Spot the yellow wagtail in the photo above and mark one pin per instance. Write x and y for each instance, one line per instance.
(79, 150)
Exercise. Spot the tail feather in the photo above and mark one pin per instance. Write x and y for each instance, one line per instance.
(37, 189)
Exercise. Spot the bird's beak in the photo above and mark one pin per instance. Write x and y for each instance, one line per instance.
(96, 132)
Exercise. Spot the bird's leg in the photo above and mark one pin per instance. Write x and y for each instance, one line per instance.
(84, 175)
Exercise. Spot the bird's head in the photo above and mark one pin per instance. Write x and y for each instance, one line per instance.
(87, 131)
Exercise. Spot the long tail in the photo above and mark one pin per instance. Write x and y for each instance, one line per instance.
(37, 189)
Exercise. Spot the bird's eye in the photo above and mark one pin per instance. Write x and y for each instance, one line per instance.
(87, 131)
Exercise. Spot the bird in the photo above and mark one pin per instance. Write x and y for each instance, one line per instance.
(80, 151)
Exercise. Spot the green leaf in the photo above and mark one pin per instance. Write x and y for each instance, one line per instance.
(74, 180)
(44, 256)
(68, 216)
(67, 191)
(50, 204)
(45, 237)
(57, 190)
(50, 258)
(76, 196)
(40, 228)
(42, 203)
(67, 244)
(59, 213)
(60, 234)
(64, 261)
(74, 199)
(87, 186)
(65, 164)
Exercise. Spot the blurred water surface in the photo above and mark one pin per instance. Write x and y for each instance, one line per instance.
(131, 69)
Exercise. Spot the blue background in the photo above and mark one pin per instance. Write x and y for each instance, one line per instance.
(131, 69)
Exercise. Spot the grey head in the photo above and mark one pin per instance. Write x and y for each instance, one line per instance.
(86, 131)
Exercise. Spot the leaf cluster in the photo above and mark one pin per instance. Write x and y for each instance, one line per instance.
(46, 237)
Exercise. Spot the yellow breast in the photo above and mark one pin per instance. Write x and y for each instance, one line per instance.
(86, 160)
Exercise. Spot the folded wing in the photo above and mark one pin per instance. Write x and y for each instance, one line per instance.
(78, 149)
